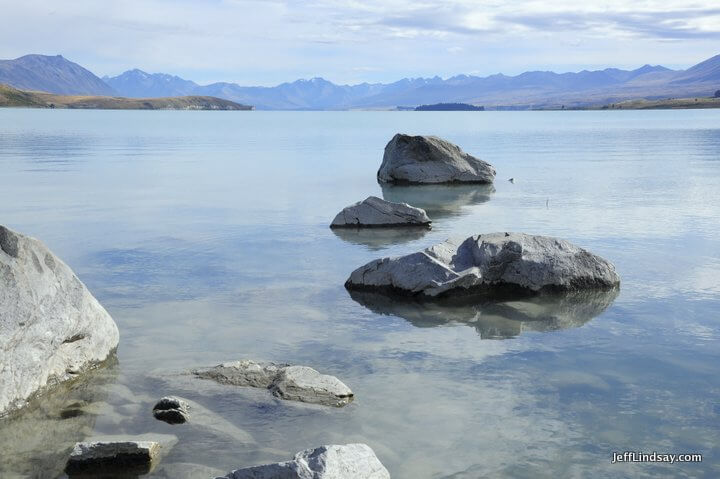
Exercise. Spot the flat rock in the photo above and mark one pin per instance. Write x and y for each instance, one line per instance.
(374, 212)
(172, 410)
(295, 383)
(118, 454)
(51, 327)
(494, 264)
(429, 159)
(350, 461)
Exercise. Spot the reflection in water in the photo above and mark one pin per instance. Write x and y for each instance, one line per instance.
(495, 319)
(379, 238)
(36, 441)
(438, 201)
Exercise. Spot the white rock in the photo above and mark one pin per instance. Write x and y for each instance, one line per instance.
(374, 212)
(51, 327)
(489, 263)
(296, 383)
(350, 461)
(429, 159)
(126, 454)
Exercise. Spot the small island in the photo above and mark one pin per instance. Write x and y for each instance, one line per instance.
(450, 107)
(12, 97)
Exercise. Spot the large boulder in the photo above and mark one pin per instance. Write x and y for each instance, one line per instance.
(294, 383)
(374, 212)
(350, 461)
(429, 159)
(495, 263)
(51, 327)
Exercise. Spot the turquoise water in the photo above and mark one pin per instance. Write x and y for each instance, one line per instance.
(205, 236)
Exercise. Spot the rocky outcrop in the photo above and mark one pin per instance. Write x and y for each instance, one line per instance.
(374, 212)
(295, 383)
(118, 454)
(172, 410)
(350, 461)
(429, 159)
(496, 263)
(51, 327)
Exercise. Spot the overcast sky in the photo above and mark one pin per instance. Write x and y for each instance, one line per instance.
(351, 41)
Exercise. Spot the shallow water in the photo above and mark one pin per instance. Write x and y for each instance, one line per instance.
(205, 236)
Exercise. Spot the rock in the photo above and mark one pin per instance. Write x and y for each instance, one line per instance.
(295, 383)
(172, 410)
(374, 212)
(492, 264)
(429, 159)
(350, 461)
(439, 201)
(108, 455)
(51, 327)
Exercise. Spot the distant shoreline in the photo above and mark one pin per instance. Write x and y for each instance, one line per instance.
(13, 98)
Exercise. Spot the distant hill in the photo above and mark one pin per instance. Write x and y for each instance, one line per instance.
(12, 97)
(664, 104)
(138, 84)
(449, 107)
(51, 74)
(529, 90)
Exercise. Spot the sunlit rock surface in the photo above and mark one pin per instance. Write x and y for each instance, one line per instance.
(51, 327)
(493, 264)
(295, 383)
(350, 461)
(429, 159)
(374, 212)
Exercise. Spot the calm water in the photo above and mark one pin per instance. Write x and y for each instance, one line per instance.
(205, 236)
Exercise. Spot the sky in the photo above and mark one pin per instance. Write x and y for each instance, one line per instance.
(351, 41)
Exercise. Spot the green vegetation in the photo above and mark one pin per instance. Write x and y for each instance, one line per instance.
(12, 97)
(662, 104)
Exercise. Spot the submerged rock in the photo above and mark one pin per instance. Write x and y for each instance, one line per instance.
(51, 327)
(113, 456)
(172, 410)
(495, 263)
(439, 201)
(374, 212)
(429, 159)
(350, 461)
(295, 383)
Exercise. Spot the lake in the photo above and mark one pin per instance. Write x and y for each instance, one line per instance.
(205, 235)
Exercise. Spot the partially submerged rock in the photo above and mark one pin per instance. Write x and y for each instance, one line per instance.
(374, 212)
(296, 383)
(429, 159)
(51, 327)
(118, 454)
(495, 263)
(350, 461)
(172, 410)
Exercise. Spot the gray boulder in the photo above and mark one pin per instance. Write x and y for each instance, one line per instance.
(114, 455)
(495, 263)
(350, 461)
(51, 327)
(374, 212)
(172, 410)
(429, 159)
(295, 383)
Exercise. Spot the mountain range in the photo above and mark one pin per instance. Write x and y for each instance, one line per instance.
(535, 89)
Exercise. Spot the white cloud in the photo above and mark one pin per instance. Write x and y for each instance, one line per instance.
(266, 42)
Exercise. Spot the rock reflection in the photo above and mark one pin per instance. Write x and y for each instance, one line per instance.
(379, 238)
(36, 441)
(501, 319)
(439, 201)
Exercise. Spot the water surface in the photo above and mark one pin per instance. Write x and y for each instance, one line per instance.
(205, 235)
